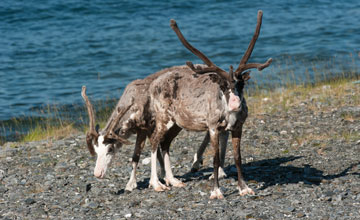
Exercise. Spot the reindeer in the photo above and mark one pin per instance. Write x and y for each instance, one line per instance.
(210, 100)
(132, 115)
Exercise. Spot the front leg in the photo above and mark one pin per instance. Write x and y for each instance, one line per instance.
(155, 139)
(139, 146)
(236, 139)
(223, 139)
(214, 138)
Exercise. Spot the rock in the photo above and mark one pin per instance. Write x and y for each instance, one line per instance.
(300, 215)
(2, 190)
(288, 209)
(146, 161)
(61, 167)
(29, 201)
(93, 205)
(2, 174)
(283, 132)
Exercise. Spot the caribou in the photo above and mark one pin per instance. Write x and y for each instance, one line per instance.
(193, 97)
(132, 115)
(201, 98)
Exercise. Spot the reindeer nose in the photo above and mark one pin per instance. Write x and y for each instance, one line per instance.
(234, 102)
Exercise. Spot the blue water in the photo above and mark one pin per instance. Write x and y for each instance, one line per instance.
(50, 48)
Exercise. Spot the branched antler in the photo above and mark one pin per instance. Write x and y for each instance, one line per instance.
(211, 66)
(93, 134)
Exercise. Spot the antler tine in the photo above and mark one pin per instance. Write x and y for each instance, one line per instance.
(243, 66)
(195, 51)
(211, 66)
(90, 111)
(251, 46)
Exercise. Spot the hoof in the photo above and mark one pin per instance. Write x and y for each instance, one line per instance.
(174, 182)
(195, 167)
(216, 194)
(158, 186)
(196, 164)
(131, 186)
(246, 191)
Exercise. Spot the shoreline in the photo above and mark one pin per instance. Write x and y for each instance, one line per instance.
(59, 121)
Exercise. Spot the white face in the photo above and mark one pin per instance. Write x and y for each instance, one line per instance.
(234, 102)
(105, 153)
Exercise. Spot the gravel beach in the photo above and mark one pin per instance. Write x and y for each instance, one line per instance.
(302, 161)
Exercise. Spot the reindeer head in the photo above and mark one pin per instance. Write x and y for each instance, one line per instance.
(234, 80)
(106, 143)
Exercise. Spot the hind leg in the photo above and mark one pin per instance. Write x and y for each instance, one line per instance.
(198, 160)
(165, 145)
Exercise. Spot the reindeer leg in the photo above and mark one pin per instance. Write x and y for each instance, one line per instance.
(223, 139)
(139, 146)
(214, 138)
(242, 187)
(198, 160)
(161, 162)
(157, 135)
(165, 145)
(224, 135)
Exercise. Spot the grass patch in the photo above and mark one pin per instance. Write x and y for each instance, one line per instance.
(49, 132)
(337, 92)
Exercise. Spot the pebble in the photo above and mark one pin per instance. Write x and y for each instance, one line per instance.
(283, 132)
(2, 174)
(29, 201)
(146, 161)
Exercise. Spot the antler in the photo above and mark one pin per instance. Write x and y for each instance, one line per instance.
(260, 66)
(92, 133)
(111, 133)
(211, 66)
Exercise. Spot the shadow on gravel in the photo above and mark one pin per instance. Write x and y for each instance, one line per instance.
(272, 172)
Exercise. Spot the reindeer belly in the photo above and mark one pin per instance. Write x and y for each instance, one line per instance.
(190, 121)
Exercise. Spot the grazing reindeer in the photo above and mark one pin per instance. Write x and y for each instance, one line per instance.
(132, 115)
(205, 101)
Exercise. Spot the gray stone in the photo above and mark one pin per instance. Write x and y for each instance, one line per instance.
(2, 174)
(29, 201)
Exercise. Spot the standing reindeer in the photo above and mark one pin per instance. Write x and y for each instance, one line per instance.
(211, 100)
